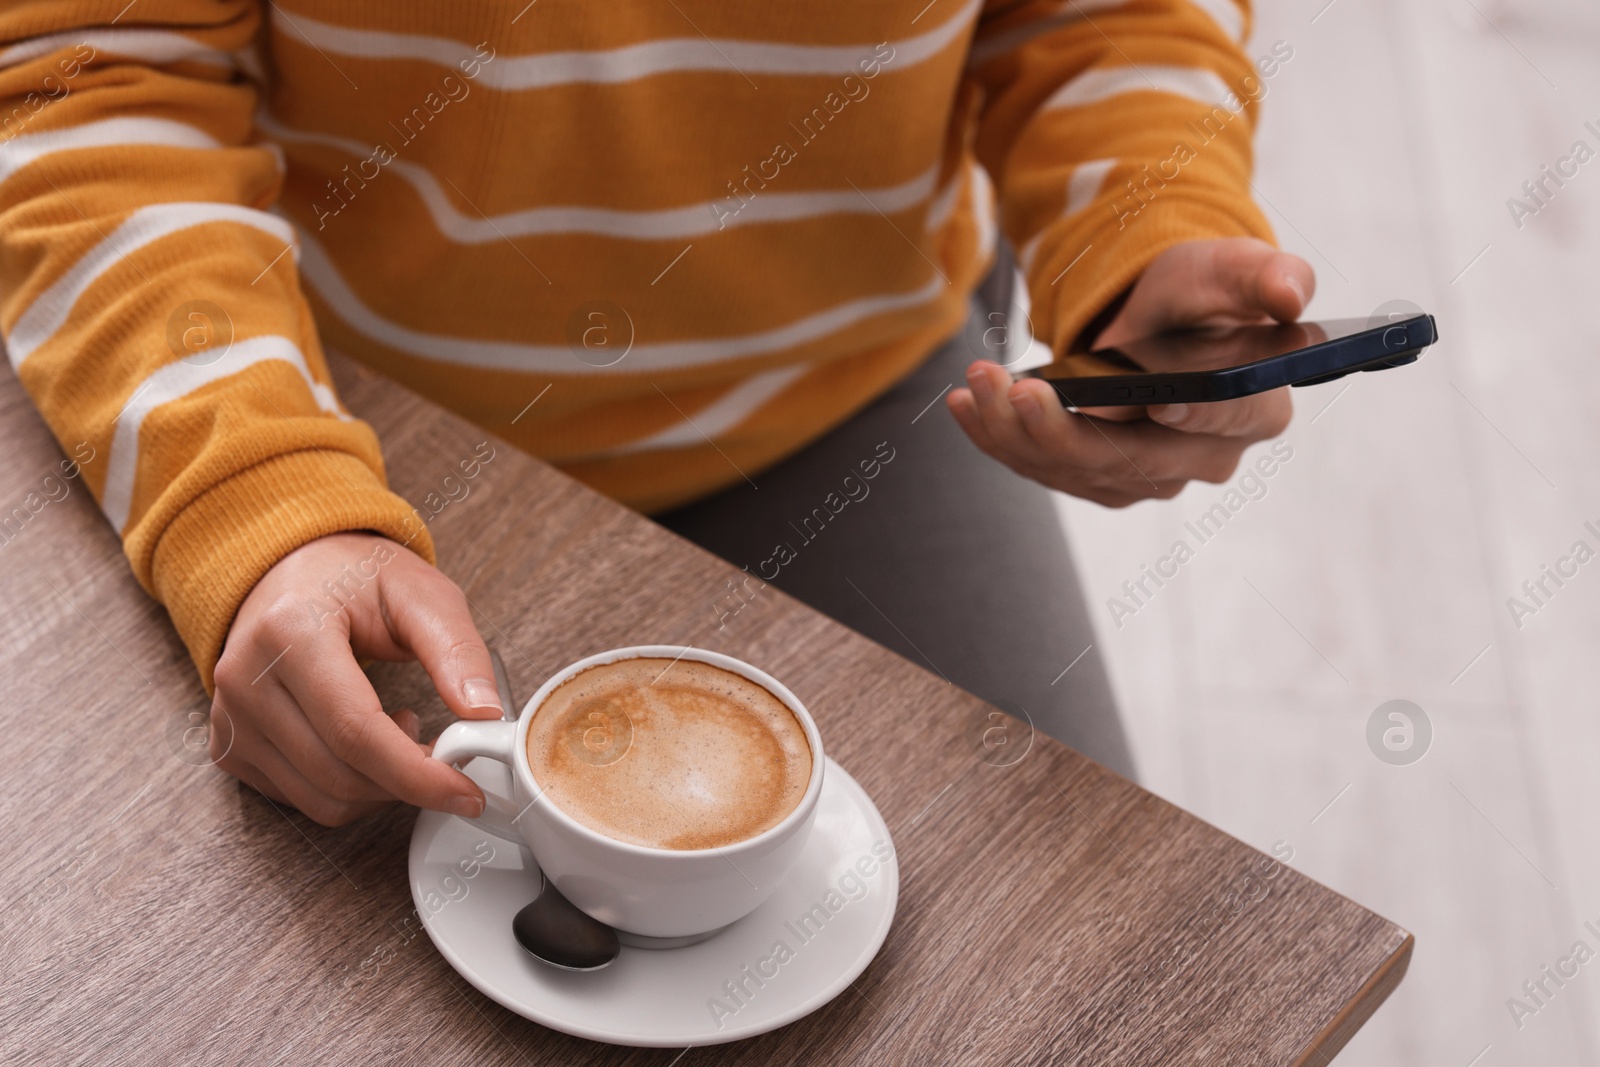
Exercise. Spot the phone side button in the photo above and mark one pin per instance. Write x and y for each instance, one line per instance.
(1145, 392)
(1122, 392)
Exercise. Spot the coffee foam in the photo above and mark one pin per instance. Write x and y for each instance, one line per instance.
(677, 755)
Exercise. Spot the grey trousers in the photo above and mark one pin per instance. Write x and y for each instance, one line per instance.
(943, 555)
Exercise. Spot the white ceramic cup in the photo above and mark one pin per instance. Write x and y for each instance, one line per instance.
(652, 892)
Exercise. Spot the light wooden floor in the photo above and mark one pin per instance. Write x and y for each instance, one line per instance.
(1379, 563)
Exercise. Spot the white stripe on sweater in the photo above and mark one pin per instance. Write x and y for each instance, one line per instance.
(1088, 178)
(320, 273)
(721, 415)
(630, 63)
(49, 311)
(20, 151)
(177, 380)
(944, 201)
(1225, 13)
(1102, 83)
(148, 46)
(983, 213)
(689, 220)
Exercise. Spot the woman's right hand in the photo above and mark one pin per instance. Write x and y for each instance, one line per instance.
(295, 717)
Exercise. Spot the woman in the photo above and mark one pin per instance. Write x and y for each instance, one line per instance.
(696, 255)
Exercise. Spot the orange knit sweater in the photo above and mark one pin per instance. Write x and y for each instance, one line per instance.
(656, 243)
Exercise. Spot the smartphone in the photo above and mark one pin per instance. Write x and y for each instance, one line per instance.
(1220, 363)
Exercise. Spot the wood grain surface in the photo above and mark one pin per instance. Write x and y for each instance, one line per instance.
(157, 912)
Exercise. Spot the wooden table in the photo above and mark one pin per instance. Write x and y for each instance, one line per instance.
(155, 911)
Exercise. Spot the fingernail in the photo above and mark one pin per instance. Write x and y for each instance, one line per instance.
(978, 381)
(1173, 414)
(1294, 284)
(464, 806)
(1026, 403)
(481, 693)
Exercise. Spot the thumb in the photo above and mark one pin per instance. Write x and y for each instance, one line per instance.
(1247, 278)
(1234, 279)
(1284, 284)
(428, 616)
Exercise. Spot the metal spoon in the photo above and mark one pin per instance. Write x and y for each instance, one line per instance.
(550, 928)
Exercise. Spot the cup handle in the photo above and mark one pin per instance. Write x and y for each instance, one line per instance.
(462, 741)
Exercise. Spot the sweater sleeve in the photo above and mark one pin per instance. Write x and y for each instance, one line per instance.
(1114, 130)
(151, 304)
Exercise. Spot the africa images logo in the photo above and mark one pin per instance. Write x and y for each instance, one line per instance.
(849, 887)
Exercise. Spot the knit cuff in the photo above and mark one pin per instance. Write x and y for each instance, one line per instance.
(1116, 256)
(216, 550)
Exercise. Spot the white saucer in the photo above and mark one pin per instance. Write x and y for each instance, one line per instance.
(468, 884)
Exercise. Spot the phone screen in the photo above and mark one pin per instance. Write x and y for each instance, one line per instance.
(1203, 349)
(1215, 363)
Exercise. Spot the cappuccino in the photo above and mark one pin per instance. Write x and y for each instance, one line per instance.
(672, 755)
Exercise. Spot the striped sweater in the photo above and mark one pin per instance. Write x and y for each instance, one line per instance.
(660, 243)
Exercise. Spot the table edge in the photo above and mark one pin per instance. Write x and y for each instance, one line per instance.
(1360, 1007)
